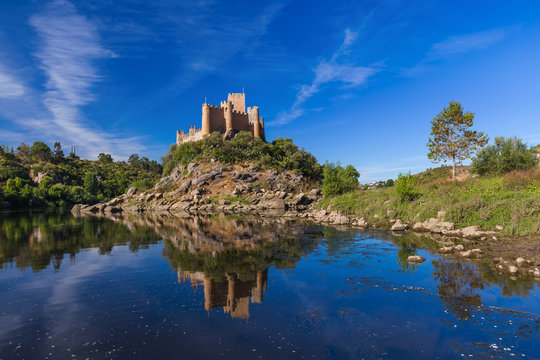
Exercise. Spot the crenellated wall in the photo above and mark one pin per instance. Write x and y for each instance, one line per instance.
(230, 115)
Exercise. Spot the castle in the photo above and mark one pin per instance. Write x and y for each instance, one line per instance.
(229, 118)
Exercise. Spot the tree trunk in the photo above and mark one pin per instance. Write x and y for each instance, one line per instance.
(453, 168)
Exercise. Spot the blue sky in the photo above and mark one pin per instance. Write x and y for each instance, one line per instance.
(356, 81)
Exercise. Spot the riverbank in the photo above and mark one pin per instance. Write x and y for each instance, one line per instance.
(480, 219)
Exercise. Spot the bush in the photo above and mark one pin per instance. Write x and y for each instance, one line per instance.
(506, 155)
(405, 187)
(338, 180)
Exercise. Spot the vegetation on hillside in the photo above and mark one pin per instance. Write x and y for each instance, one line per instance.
(36, 176)
(504, 189)
(281, 154)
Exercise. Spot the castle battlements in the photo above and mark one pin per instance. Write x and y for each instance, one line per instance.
(227, 118)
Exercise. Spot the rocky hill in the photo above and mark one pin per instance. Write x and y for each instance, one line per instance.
(213, 186)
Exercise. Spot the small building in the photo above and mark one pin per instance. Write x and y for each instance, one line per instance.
(229, 118)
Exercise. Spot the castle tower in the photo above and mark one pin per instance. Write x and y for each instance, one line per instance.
(228, 116)
(205, 120)
(238, 100)
(253, 116)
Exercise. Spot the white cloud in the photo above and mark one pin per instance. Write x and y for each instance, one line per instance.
(468, 42)
(328, 71)
(69, 46)
(10, 86)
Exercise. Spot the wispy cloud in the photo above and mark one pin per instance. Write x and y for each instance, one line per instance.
(328, 71)
(69, 46)
(10, 86)
(468, 42)
(459, 44)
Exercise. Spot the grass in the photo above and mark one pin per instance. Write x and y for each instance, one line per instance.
(512, 201)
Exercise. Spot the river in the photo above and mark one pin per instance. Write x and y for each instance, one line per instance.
(175, 286)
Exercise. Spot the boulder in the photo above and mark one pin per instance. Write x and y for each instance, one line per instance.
(459, 247)
(415, 259)
(471, 232)
(434, 225)
(446, 250)
(132, 190)
(520, 261)
(341, 220)
(224, 201)
(275, 204)
(399, 226)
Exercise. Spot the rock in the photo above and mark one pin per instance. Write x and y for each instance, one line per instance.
(184, 186)
(471, 232)
(149, 197)
(434, 225)
(476, 251)
(314, 193)
(224, 201)
(399, 226)
(341, 220)
(415, 259)
(191, 166)
(465, 254)
(277, 204)
(132, 190)
(300, 199)
(446, 250)
(512, 269)
(520, 261)
(459, 247)
(498, 228)
(361, 222)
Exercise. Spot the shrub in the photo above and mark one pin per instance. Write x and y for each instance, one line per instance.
(405, 187)
(338, 180)
(506, 155)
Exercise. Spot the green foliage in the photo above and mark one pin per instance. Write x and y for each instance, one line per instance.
(338, 180)
(105, 158)
(67, 180)
(281, 154)
(41, 151)
(58, 152)
(511, 200)
(451, 138)
(406, 187)
(505, 155)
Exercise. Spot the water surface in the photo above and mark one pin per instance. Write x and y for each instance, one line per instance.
(167, 286)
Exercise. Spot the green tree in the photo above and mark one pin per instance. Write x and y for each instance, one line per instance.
(451, 138)
(133, 160)
(91, 183)
(41, 151)
(338, 180)
(58, 152)
(505, 155)
(23, 150)
(105, 158)
(405, 187)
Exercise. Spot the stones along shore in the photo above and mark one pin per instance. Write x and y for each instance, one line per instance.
(216, 188)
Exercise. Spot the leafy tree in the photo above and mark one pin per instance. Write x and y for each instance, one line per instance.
(58, 152)
(105, 158)
(23, 150)
(451, 138)
(41, 151)
(91, 183)
(507, 154)
(133, 160)
(338, 180)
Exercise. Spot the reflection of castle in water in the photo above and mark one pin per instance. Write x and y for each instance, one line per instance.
(231, 293)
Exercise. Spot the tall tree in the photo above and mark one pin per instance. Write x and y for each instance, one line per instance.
(41, 151)
(451, 138)
(58, 152)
